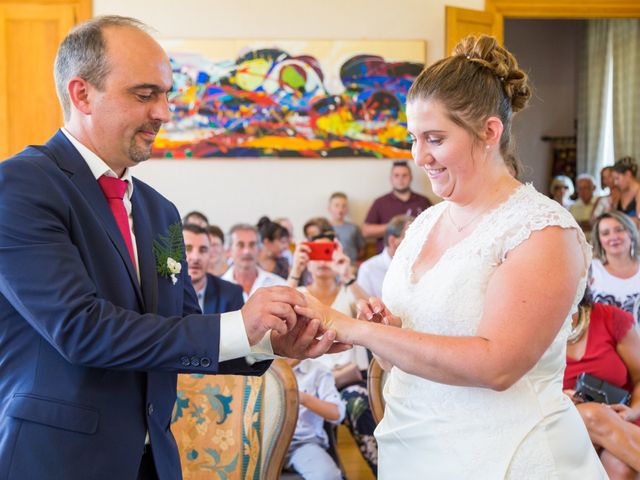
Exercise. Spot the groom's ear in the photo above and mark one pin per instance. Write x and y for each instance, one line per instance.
(79, 90)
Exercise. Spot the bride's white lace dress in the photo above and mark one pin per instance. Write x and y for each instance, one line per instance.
(436, 431)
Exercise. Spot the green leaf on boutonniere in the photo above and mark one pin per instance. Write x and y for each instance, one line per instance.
(169, 252)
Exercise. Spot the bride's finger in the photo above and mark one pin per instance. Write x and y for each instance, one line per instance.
(364, 310)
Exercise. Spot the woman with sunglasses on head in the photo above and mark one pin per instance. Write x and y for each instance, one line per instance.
(333, 284)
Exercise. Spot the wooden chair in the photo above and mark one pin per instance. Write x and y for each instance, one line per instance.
(235, 427)
(376, 379)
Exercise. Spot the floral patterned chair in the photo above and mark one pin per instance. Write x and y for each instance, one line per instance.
(232, 427)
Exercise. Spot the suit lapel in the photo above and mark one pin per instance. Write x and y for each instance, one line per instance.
(146, 259)
(69, 160)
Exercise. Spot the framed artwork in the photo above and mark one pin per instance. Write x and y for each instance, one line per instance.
(309, 99)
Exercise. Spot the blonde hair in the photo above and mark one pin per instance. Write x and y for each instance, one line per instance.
(627, 224)
(479, 80)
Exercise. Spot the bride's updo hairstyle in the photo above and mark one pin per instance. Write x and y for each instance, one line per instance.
(479, 80)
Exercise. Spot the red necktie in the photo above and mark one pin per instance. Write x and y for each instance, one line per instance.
(114, 189)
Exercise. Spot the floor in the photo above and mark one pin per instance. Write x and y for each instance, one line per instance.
(354, 465)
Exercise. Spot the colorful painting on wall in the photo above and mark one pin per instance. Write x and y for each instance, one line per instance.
(310, 99)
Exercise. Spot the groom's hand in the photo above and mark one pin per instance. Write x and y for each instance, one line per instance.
(270, 308)
(307, 339)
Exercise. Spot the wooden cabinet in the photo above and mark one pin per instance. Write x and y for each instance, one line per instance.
(30, 32)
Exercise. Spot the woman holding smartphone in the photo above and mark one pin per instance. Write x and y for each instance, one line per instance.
(334, 285)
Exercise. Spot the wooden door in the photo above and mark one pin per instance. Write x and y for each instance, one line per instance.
(463, 21)
(30, 33)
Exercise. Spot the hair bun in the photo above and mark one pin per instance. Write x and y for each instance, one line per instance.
(486, 51)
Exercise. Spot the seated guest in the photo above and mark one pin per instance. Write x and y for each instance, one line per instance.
(615, 269)
(286, 223)
(218, 261)
(244, 247)
(214, 294)
(333, 284)
(275, 241)
(319, 402)
(561, 189)
(604, 343)
(625, 173)
(400, 201)
(349, 234)
(196, 218)
(583, 206)
(610, 194)
(371, 273)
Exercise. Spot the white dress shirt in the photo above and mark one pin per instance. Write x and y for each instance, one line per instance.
(371, 273)
(264, 279)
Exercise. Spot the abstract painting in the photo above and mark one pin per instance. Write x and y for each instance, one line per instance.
(310, 99)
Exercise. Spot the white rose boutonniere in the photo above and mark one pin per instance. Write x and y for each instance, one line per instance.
(169, 253)
(175, 268)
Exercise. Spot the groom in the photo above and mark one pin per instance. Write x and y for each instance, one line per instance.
(97, 312)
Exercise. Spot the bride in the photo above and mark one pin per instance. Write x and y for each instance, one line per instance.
(477, 302)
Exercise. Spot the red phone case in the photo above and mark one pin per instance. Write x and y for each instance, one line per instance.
(321, 250)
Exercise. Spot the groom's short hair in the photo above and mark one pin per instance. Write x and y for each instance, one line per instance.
(83, 53)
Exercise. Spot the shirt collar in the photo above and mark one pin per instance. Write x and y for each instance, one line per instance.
(200, 293)
(96, 164)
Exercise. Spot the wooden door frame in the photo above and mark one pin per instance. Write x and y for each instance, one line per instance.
(83, 8)
(563, 9)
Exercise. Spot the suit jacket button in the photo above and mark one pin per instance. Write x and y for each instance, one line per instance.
(205, 362)
(185, 361)
(150, 409)
(195, 361)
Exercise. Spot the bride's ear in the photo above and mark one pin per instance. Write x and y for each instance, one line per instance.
(493, 129)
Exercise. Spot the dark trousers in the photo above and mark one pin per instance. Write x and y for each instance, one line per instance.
(147, 469)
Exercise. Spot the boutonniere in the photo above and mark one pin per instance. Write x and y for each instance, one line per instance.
(169, 252)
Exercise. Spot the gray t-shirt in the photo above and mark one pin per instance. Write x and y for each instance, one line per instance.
(351, 239)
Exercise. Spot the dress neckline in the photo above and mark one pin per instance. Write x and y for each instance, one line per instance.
(448, 251)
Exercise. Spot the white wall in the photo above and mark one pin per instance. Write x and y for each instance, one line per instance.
(548, 50)
(229, 191)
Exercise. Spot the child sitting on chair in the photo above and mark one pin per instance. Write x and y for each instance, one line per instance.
(319, 402)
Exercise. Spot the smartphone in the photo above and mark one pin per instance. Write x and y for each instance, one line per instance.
(321, 250)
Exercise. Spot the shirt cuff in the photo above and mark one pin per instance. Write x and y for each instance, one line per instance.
(234, 342)
(261, 350)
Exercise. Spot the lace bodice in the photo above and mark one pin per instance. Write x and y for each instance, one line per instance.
(449, 298)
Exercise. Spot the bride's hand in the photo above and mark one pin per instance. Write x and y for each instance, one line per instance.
(373, 310)
(329, 318)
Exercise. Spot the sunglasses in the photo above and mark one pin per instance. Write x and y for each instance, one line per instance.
(326, 235)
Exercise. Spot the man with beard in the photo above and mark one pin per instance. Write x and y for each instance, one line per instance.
(97, 312)
(400, 201)
(244, 244)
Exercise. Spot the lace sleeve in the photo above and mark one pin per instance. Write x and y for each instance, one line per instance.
(534, 212)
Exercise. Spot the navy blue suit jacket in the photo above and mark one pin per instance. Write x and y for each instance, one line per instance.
(221, 296)
(89, 355)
